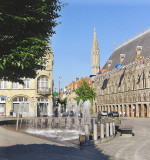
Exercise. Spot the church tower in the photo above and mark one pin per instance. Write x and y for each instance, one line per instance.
(95, 55)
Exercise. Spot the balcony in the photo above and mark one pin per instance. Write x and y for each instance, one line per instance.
(44, 90)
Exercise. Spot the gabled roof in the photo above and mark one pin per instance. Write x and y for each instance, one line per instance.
(129, 50)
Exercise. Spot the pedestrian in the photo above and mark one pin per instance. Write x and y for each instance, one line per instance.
(124, 114)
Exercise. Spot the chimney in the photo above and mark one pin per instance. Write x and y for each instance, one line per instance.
(109, 63)
(138, 51)
(122, 56)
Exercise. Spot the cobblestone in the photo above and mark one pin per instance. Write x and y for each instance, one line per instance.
(130, 148)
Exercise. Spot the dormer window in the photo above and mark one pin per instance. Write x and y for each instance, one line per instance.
(138, 51)
(109, 63)
(122, 56)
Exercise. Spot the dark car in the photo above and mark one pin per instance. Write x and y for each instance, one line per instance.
(71, 113)
(64, 114)
(113, 114)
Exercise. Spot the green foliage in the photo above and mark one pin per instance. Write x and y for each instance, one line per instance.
(63, 101)
(26, 26)
(85, 92)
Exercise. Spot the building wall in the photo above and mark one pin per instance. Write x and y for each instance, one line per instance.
(32, 93)
(71, 90)
(126, 90)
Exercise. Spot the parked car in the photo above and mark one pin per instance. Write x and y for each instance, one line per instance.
(103, 113)
(113, 114)
(64, 114)
(80, 114)
(71, 113)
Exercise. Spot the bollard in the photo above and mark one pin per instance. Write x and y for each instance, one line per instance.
(102, 130)
(95, 132)
(107, 129)
(113, 126)
(86, 132)
(111, 129)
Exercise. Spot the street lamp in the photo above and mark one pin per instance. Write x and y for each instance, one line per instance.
(59, 86)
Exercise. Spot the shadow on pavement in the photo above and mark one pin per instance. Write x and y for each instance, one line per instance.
(50, 152)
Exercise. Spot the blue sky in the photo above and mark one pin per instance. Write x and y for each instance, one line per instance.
(115, 20)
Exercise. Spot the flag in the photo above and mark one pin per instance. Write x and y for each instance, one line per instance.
(118, 66)
(92, 76)
(102, 71)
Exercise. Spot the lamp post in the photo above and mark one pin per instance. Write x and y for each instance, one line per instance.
(59, 86)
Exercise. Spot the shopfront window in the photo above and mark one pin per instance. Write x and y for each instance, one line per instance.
(20, 105)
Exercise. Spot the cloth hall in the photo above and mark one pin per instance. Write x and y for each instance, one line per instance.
(123, 84)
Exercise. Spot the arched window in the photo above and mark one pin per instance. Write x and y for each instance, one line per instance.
(120, 99)
(133, 82)
(43, 84)
(139, 97)
(20, 105)
(144, 97)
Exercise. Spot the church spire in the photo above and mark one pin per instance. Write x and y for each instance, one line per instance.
(95, 55)
(95, 43)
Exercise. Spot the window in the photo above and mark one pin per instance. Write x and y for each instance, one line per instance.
(42, 100)
(26, 84)
(15, 85)
(43, 84)
(2, 104)
(3, 84)
(20, 105)
(42, 105)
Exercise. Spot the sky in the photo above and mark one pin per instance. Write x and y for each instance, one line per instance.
(114, 20)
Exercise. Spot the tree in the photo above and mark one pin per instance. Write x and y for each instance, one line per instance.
(85, 92)
(63, 101)
(25, 29)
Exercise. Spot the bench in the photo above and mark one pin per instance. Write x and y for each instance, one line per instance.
(126, 130)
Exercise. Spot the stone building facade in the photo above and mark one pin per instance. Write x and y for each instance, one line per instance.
(34, 98)
(70, 91)
(125, 84)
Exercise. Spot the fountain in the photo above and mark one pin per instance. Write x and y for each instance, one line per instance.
(60, 128)
(86, 113)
